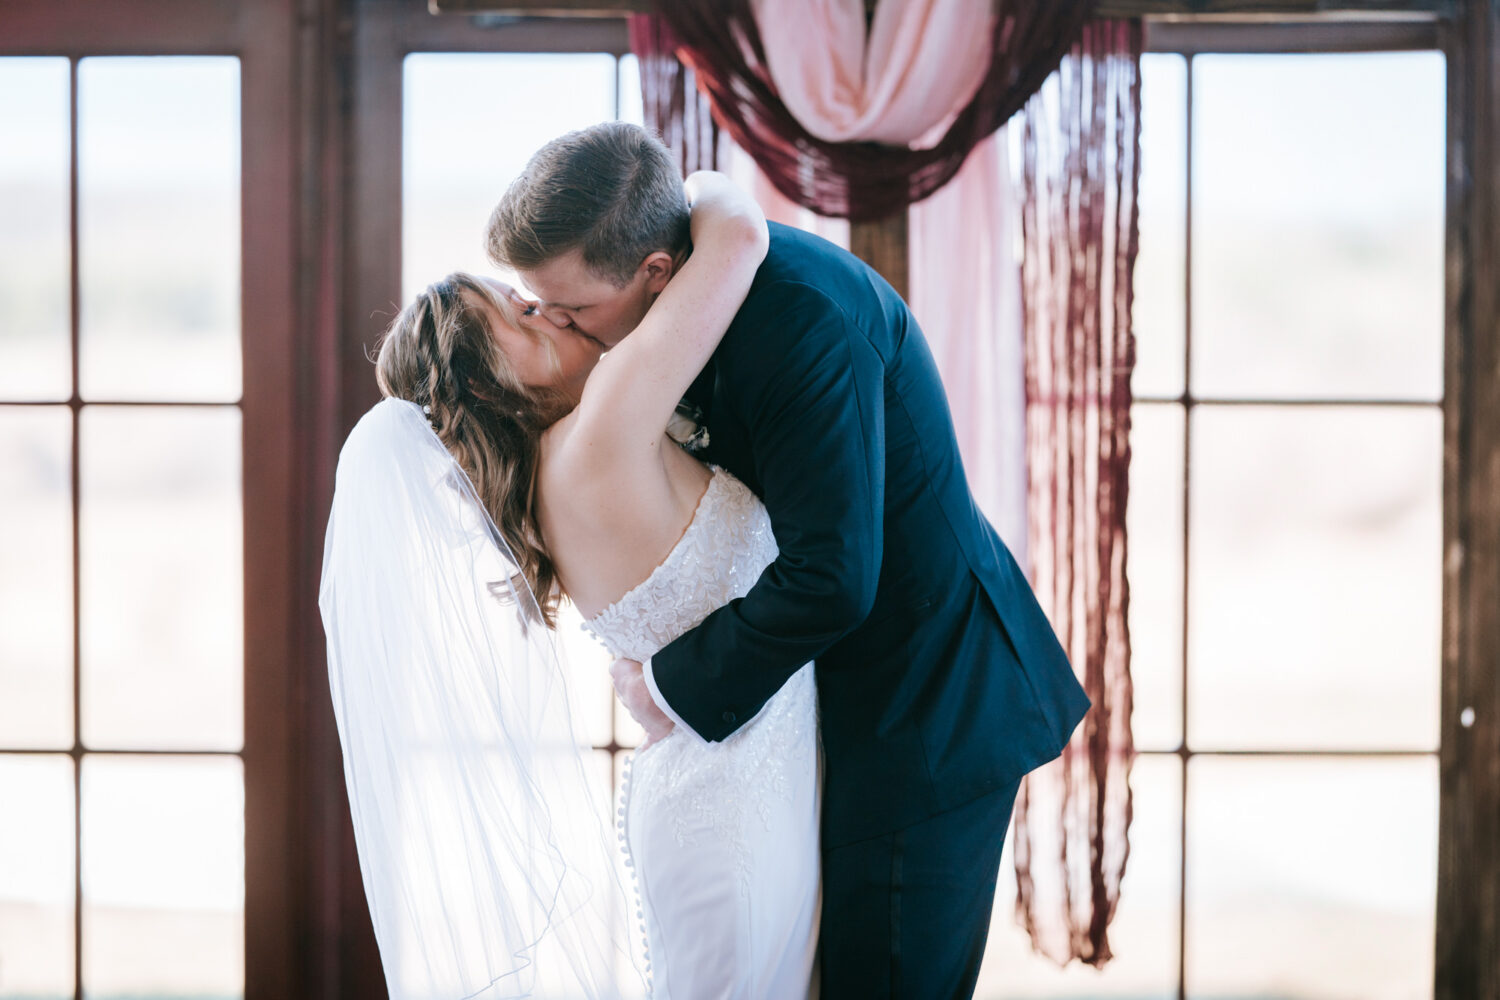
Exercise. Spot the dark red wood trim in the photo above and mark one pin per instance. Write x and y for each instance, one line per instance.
(884, 245)
(339, 955)
(122, 27)
(1204, 36)
(1468, 904)
(374, 202)
(415, 30)
(1104, 8)
(271, 502)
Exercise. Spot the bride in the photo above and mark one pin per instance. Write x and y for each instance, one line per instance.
(571, 487)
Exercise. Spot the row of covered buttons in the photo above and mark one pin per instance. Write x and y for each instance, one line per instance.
(620, 823)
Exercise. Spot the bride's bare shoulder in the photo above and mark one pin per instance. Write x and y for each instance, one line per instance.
(575, 471)
(580, 473)
(559, 471)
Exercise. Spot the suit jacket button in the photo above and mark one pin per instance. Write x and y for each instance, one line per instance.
(729, 717)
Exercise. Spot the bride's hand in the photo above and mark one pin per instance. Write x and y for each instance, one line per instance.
(631, 689)
(722, 209)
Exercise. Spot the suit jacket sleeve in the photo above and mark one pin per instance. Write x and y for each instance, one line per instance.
(809, 387)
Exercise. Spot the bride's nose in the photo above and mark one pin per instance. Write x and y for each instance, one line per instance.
(557, 317)
(542, 315)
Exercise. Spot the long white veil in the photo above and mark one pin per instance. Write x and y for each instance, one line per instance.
(484, 841)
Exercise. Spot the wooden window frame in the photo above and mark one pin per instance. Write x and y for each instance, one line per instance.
(275, 551)
(1191, 39)
(320, 181)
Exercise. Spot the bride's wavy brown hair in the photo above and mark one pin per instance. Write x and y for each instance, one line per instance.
(440, 352)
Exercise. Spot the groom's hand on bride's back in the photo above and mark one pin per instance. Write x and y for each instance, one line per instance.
(635, 695)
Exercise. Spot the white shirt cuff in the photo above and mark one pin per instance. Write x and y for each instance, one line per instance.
(661, 703)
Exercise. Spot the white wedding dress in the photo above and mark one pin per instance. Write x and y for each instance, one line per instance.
(722, 838)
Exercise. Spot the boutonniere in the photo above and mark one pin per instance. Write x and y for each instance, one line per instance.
(686, 428)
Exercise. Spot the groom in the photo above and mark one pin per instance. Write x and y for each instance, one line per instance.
(940, 681)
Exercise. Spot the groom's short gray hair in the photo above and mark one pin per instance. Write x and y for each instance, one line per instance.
(611, 191)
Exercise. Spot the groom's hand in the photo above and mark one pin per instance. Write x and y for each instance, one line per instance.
(630, 687)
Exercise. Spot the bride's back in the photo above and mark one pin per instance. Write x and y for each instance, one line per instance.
(609, 520)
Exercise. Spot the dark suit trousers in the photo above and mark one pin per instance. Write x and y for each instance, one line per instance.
(907, 914)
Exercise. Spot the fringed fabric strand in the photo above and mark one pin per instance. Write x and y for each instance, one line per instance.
(1081, 173)
(673, 105)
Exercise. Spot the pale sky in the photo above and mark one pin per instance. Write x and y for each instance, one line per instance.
(1362, 136)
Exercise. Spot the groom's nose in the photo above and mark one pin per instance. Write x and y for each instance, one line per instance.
(555, 315)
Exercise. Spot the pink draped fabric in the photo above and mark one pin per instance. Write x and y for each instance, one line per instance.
(922, 62)
(966, 293)
(741, 168)
(1081, 172)
(859, 180)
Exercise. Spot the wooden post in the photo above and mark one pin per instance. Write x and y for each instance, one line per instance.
(1468, 897)
(883, 245)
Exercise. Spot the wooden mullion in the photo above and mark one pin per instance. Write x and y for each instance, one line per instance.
(1191, 37)
(883, 245)
(274, 604)
(1104, 8)
(416, 30)
(1468, 903)
(1272, 8)
(542, 8)
(119, 27)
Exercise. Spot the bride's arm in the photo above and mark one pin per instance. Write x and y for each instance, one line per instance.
(630, 397)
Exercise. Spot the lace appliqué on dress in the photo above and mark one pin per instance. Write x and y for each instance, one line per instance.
(718, 558)
(689, 781)
(724, 550)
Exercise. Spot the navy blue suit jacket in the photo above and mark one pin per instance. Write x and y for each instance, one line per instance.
(939, 678)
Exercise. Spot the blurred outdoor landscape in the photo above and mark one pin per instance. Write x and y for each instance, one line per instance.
(1294, 585)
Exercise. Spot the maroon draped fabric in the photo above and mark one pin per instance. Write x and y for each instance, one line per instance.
(673, 105)
(860, 181)
(1081, 171)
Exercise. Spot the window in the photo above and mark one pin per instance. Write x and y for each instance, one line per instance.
(529, 98)
(121, 557)
(108, 391)
(1285, 536)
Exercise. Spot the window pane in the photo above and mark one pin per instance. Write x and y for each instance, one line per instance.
(162, 595)
(589, 686)
(1311, 879)
(1160, 309)
(36, 877)
(628, 732)
(36, 578)
(1316, 577)
(1318, 187)
(34, 261)
(632, 107)
(589, 662)
(159, 228)
(163, 877)
(1154, 569)
(1143, 934)
(471, 124)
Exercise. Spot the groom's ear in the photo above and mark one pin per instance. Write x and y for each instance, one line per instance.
(658, 267)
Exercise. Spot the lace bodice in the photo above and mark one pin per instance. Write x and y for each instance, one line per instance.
(726, 546)
(721, 838)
